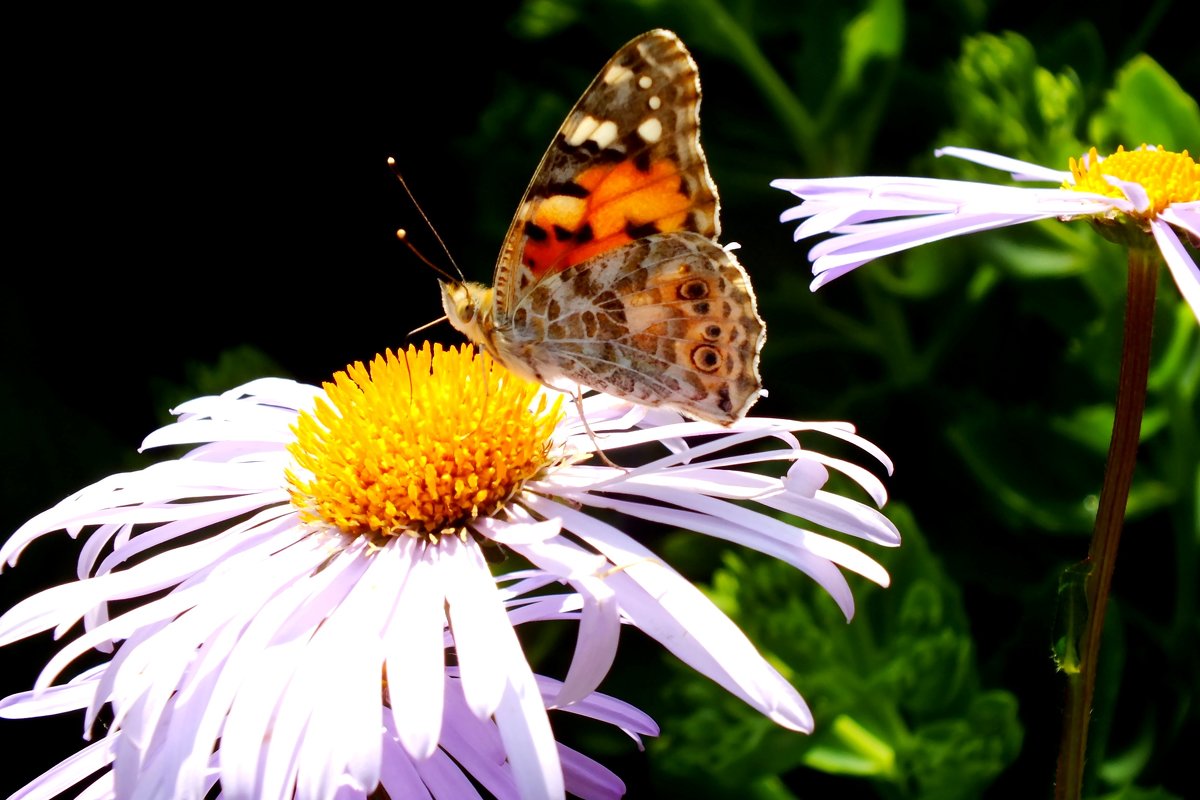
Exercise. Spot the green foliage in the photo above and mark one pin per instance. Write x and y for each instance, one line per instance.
(1005, 101)
(897, 692)
(1146, 106)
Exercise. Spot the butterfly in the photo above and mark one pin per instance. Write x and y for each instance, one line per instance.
(610, 276)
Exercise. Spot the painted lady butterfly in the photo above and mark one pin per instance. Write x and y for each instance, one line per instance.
(610, 275)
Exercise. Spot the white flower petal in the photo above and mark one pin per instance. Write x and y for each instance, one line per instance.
(52, 700)
(805, 477)
(587, 779)
(349, 720)
(599, 623)
(602, 707)
(670, 609)
(528, 739)
(69, 771)
(488, 653)
(1179, 262)
(414, 651)
(397, 775)
(478, 622)
(443, 777)
(1020, 170)
(1185, 216)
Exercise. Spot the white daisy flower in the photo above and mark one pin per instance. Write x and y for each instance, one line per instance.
(1128, 194)
(321, 548)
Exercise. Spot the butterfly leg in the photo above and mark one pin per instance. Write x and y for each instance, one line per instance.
(590, 433)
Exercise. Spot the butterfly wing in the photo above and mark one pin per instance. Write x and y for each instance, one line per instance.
(626, 164)
(666, 320)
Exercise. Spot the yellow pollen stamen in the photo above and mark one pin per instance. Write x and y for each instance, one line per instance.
(419, 444)
(1165, 176)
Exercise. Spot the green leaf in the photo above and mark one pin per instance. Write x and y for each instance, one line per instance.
(876, 33)
(896, 692)
(1146, 106)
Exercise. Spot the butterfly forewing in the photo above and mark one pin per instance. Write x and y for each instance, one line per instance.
(626, 163)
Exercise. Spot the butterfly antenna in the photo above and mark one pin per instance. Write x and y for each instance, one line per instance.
(402, 234)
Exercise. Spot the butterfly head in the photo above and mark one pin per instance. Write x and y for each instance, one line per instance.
(468, 306)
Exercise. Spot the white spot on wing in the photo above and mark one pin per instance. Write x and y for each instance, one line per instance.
(655, 103)
(650, 130)
(617, 74)
(645, 82)
(583, 130)
(605, 134)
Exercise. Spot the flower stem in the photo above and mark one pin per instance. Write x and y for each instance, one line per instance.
(1110, 516)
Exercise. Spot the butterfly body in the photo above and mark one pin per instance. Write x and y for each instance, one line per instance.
(610, 275)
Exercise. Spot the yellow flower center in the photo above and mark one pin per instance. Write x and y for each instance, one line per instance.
(1166, 177)
(419, 443)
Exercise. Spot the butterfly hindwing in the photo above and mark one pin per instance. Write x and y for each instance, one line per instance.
(667, 320)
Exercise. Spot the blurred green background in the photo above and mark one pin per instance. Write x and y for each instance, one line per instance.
(209, 202)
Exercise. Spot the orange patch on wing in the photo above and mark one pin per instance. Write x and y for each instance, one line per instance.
(621, 197)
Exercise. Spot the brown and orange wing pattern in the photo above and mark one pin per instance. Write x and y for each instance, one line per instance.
(626, 164)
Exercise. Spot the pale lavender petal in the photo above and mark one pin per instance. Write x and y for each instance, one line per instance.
(809, 552)
(71, 696)
(713, 513)
(864, 478)
(1185, 216)
(676, 614)
(604, 708)
(397, 775)
(879, 216)
(846, 432)
(261, 734)
(349, 719)
(69, 771)
(520, 715)
(100, 789)
(884, 238)
(599, 625)
(670, 609)
(413, 642)
(805, 477)
(444, 779)
(295, 743)
(263, 428)
(1179, 262)
(528, 739)
(481, 734)
(478, 622)
(475, 745)
(1020, 170)
(229, 536)
(588, 779)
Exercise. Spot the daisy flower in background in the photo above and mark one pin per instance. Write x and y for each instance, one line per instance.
(1131, 195)
(1142, 199)
(302, 572)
